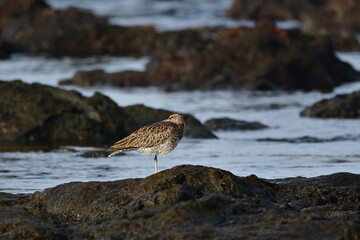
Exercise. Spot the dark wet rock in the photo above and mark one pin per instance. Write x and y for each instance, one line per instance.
(18, 7)
(39, 115)
(320, 16)
(3, 50)
(16, 223)
(232, 124)
(100, 77)
(346, 43)
(145, 115)
(305, 139)
(184, 39)
(337, 19)
(213, 203)
(309, 139)
(334, 189)
(130, 197)
(272, 9)
(97, 154)
(271, 106)
(340, 106)
(263, 58)
(35, 112)
(338, 16)
(33, 27)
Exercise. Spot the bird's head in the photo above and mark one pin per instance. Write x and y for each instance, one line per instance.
(176, 118)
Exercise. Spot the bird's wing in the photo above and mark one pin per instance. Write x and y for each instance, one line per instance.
(148, 136)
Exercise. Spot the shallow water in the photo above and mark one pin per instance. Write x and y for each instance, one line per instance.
(236, 151)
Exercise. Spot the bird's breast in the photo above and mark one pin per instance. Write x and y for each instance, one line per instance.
(160, 149)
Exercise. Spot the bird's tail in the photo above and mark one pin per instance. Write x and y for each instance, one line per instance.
(119, 150)
(116, 152)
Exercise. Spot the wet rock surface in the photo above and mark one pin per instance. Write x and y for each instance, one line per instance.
(35, 112)
(338, 16)
(340, 106)
(272, 9)
(188, 202)
(337, 19)
(33, 27)
(324, 15)
(43, 114)
(144, 115)
(232, 124)
(97, 154)
(310, 139)
(271, 106)
(100, 77)
(262, 58)
(4, 52)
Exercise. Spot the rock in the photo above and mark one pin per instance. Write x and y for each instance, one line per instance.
(338, 16)
(320, 16)
(18, 223)
(48, 116)
(100, 77)
(211, 202)
(168, 41)
(271, 106)
(18, 7)
(97, 154)
(35, 112)
(33, 27)
(127, 198)
(340, 106)
(272, 9)
(144, 115)
(263, 58)
(345, 43)
(309, 139)
(3, 50)
(232, 124)
(337, 19)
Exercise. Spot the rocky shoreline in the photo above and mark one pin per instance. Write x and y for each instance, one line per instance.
(188, 202)
(335, 16)
(184, 202)
(261, 58)
(37, 114)
(33, 113)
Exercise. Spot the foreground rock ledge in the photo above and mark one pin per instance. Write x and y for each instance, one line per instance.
(188, 202)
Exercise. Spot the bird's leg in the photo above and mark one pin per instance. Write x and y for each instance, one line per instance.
(156, 165)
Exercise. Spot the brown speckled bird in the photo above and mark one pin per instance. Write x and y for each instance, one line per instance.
(155, 139)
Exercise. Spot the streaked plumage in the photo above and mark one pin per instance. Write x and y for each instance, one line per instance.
(154, 139)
